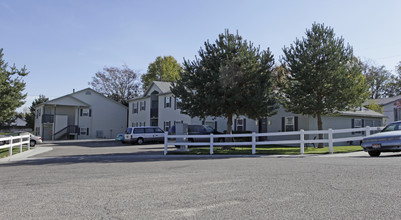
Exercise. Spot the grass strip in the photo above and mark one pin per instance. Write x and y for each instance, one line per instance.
(267, 150)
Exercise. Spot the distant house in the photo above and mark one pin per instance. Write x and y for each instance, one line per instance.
(85, 114)
(19, 122)
(391, 107)
(159, 107)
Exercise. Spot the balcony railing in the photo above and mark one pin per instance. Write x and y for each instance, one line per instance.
(47, 118)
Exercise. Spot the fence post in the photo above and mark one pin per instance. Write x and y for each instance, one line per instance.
(165, 142)
(253, 142)
(29, 142)
(330, 141)
(211, 143)
(302, 143)
(367, 133)
(20, 144)
(10, 150)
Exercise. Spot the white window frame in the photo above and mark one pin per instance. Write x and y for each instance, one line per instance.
(142, 108)
(290, 122)
(85, 112)
(239, 124)
(135, 107)
(167, 125)
(83, 131)
(167, 103)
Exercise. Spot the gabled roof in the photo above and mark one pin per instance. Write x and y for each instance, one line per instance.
(363, 112)
(383, 101)
(69, 99)
(163, 86)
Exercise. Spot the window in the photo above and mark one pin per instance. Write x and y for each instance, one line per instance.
(167, 125)
(210, 123)
(37, 131)
(135, 107)
(357, 123)
(397, 114)
(85, 112)
(84, 131)
(289, 124)
(149, 130)
(377, 123)
(167, 102)
(239, 122)
(139, 130)
(177, 103)
(143, 106)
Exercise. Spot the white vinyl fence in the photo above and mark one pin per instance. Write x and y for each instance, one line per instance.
(15, 141)
(330, 140)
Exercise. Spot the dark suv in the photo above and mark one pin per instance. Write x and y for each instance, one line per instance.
(199, 130)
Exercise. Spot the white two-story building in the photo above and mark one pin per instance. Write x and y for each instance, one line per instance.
(158, 107)
(85, 114)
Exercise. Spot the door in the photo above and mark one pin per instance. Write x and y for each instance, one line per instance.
(263, 128)
(47, 132)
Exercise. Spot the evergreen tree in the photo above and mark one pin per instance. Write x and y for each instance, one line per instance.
(12, 86)
(230, 77)
(165, 69)
(30, 117)
(324, 78)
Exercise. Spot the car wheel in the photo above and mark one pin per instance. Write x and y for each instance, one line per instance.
(32, 143)
(123, 142)
(139, 141)
(374, 153)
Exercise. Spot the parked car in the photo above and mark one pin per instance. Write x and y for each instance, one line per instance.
(199, 130)
(33, 138)
(119, 137)
(141, 135)
(388, 140)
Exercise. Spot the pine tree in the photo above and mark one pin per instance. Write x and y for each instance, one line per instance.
(324, 78)
(230, 77)
(12, 86)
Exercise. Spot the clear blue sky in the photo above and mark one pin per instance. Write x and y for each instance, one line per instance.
(64, 43)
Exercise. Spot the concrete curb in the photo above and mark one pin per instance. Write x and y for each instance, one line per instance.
(24, 155)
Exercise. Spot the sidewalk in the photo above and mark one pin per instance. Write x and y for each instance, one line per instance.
(26, 154)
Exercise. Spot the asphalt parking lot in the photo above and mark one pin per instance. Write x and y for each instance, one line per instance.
(90, 181)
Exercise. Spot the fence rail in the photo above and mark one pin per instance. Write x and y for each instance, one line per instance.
(15, 141)
(330, 140)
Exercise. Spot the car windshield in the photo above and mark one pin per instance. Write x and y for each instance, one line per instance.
(392, 127)
(209, 129)
(129, 130)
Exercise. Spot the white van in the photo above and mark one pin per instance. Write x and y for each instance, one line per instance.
(140, 135)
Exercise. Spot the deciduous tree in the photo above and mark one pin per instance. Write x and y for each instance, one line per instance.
(120, 84)
(324, 78)
(165, 69)
(230, 77)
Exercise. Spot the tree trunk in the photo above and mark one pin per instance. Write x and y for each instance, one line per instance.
(229, 130)
(320, 127)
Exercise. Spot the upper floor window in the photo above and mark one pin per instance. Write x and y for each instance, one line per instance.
(143, 106)
(177, 103)
(167, 102)
(135, 107)
(86, 112)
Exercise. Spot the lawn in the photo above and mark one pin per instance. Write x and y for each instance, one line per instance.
(4, 152)
(268, 150)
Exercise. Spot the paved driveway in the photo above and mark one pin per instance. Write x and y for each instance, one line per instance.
(101, 148)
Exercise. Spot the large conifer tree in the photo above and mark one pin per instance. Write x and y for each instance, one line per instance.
(324, 76)
(12, 86)
(230, 77)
